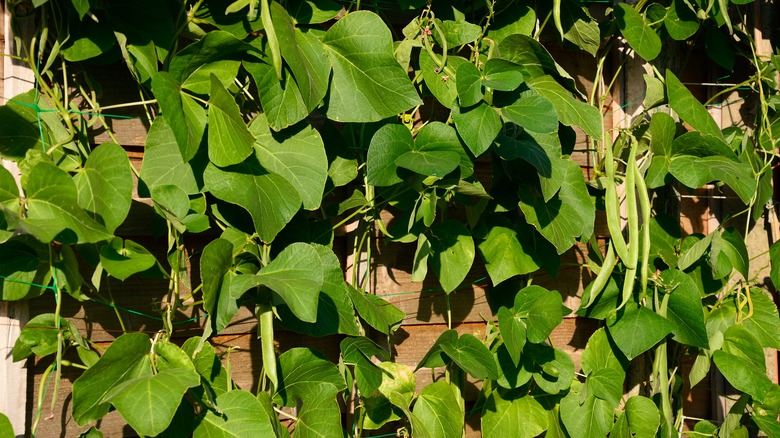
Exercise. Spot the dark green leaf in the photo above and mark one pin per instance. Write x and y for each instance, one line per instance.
(18, 130)
(314, 11)
(377, 312)
(542, 309)
(435, 357)
(269, 198)
(570, 111)
(731, 244)
(105, 185)
(522, 417)
(304, 55)
(471, 355)
(452, 253)
(566, 216)
(579, 27)
(457, 33)
(215, 261)
(296, 275)
(469, 85)
(637, 32)
(553, 369)
(437, 411)
(694, 172)
(638, 330)
(367, 84)
(163, 163)
(443, 88)
(230, 141)
(186, 132)
(212, 47)
(39, 337)
(505, 254)
(297, 154)
(388, 143)
(688, 108)
(685, 309)
(477, 126)
(695, 251)
(301, 372)
(680, 21)
(52, 208)
(606, 384)
(126, 359)
(588, 418)
(600, 353)
(502, 75)
(768, 424)
(439, 137)
(519, 19)
(642, 416)
(533, 112)
(148, 403)
(241, 415)
(742, 375)
(282, 101)
(513, 333)
(335, 312)
(123, 258)
(392, 399)
(24, 269)
(543, 151)
(764, 323)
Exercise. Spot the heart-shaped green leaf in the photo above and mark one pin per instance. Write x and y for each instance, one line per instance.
(477, 126)
(52, 208)
(123, 258)
(126, 359)
(637, 32)
(368, 84)
(105, 185)
(230, 141)
(268, 197)
(637, 330)
(471, 355)
(452, 253)
(148, 403)
(500, 74)
(241, 415)
(297, 154)
(522, 417)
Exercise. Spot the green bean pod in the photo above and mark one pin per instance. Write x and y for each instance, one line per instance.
(603, 276)
(644, 203)
(265, 317)
(633, 227)
(613, 207)
(273, 41)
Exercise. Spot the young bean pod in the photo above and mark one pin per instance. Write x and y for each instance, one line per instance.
(603, 276)
(633, 227)
(644, 203)
(265, 317)
(613, 207)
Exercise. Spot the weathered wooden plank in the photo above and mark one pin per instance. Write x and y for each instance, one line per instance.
(16, 78)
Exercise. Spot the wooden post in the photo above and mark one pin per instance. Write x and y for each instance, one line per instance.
(16, 78)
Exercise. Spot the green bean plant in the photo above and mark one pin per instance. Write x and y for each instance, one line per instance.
(272, 125)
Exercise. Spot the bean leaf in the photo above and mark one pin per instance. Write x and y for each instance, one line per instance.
(367, 84)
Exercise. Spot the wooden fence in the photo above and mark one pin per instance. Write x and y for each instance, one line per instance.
(422, 303)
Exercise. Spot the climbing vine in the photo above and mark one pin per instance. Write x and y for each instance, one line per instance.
(272, 125)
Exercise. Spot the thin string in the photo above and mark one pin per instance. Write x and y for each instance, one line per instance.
(95, 300)
(39, 110)
(437, 289)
